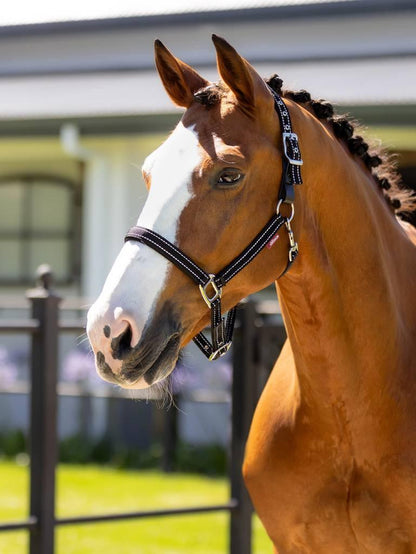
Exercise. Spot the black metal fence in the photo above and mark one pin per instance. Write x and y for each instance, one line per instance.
(253, 332)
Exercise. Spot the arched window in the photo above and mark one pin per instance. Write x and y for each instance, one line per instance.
(39, 223)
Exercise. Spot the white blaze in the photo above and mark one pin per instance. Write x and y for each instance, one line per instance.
(170, 168)
(138, 274)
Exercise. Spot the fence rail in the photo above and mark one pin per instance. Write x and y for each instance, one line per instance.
(19, 326)
(44, 328)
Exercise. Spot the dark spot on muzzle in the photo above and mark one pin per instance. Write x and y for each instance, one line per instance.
(107, 331)
(104, 368)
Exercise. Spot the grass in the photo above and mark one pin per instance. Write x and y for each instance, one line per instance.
(85, 490)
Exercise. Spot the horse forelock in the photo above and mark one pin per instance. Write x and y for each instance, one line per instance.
(210, 95)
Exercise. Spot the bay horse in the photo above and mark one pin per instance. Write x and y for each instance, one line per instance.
(331, 457)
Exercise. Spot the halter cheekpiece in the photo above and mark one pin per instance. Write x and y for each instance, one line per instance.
(211, 285)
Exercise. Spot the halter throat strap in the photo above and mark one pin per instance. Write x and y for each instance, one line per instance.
(211, 285)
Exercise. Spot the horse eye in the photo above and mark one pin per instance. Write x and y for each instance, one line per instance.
(229, 177)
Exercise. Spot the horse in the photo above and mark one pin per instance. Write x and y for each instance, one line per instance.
(330, 461)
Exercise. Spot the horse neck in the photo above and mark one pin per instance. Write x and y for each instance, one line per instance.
(346, 301)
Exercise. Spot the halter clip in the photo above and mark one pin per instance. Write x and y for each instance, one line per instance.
(293, 245)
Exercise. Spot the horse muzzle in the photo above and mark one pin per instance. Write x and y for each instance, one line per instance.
(130, 358)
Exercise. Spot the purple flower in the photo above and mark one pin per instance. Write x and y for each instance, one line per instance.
(78, 366)
(183, 379)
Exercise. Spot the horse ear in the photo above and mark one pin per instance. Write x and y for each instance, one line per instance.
(239, 75)
(178, 78)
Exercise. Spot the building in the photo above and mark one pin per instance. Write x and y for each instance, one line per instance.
(81, 106)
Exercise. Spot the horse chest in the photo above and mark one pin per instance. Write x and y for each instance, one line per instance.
(313, 497)
(310, 511)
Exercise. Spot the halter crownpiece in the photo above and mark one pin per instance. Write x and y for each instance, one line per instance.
(211, 285)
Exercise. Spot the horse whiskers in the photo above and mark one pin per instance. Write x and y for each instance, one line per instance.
(164, 398)
(82, 339)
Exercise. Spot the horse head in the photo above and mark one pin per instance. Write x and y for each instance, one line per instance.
(213, 184)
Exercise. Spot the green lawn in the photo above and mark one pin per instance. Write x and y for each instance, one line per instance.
(90, 489)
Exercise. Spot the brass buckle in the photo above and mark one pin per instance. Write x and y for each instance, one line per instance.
(217, 291)
(220, 352)
(291, 136)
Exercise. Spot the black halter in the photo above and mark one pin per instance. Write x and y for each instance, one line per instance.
(211, 285)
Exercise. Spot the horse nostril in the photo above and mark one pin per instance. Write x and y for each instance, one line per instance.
(121, 345)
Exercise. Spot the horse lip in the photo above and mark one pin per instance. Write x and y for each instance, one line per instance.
(151, 367)
(165, 362)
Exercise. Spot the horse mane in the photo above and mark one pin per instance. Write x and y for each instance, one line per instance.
(381, 164)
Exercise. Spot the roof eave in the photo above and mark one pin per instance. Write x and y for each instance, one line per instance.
(318, 9)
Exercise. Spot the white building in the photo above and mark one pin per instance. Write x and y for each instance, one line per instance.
(68, 201)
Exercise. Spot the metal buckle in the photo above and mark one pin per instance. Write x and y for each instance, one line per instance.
(290, 136)
(220, 352)
(217, 291)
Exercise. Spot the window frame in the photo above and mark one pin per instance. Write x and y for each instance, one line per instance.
(73, 235)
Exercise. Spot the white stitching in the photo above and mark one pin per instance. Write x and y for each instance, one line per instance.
(143, 237)
(173, 246)
(243, 260)
(169, 253)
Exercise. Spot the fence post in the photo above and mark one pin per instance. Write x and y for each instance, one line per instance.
(244, 399)
(43, 412)
(170, 437)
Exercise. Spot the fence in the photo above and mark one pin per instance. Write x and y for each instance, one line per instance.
(253, 332)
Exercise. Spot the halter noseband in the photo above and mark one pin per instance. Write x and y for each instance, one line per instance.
(211, 285)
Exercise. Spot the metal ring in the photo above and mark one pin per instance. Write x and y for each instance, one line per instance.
(217, 290)
(289, 219)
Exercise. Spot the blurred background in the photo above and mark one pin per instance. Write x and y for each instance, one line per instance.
(81, 106)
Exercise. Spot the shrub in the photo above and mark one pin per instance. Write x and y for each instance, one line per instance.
(79, 449)
(209, 460)
(13, 443)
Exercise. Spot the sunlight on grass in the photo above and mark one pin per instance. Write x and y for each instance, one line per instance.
(91, 490)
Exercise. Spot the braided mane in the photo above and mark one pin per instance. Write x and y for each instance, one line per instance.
(381, 164)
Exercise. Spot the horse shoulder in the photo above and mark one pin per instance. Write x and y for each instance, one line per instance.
(292, 469)
(275, 415)
(301, 480)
